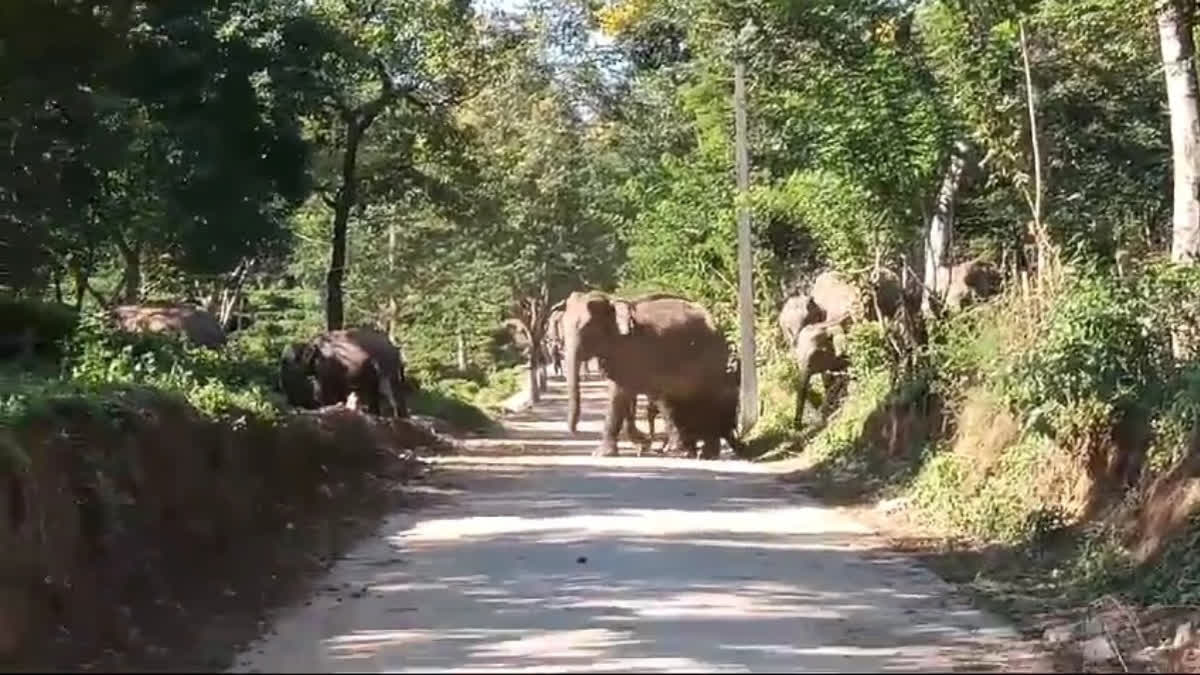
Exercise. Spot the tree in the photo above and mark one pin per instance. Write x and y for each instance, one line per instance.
(1179, 69)
(357, 62)
(153, 135)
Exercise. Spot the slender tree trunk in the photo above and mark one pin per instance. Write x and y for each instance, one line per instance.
(1036, 201)
(748, 399)
(940, 234)
(1179, 69)
(132, 277)
(346, 197)
(462, 349)
(1178, 54)
(392, 304)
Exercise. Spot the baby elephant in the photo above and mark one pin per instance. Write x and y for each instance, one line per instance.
(345, 366)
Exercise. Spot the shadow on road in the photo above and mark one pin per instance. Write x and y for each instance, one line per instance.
(561, 561)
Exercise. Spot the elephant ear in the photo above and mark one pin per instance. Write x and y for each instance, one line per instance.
(624, 317)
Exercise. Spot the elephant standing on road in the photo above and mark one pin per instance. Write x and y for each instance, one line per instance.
(332, 366)
(661, 345)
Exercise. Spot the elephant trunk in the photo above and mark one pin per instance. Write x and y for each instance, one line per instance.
(572, 367)
(801, 397)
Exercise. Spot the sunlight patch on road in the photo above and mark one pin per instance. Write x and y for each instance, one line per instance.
(662, 522)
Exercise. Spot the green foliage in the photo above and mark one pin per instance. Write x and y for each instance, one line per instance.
(998, 506)
(234, 380)
(1093, 346)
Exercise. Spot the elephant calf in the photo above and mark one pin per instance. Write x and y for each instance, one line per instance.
(341, 366)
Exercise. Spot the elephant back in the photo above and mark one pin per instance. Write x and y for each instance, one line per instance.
(837, 298)
(356, 345)
(194, 323)
(797, 312)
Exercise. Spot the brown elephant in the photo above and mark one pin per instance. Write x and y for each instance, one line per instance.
(835, 298)
(192, 322)
(329, 368)
(798, 311)
(966, 283)
(661, 345)
(818, 350)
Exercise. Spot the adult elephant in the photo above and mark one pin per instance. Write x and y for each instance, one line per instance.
(833, 297)
(197, 325)
(661, 345)
(329, 368)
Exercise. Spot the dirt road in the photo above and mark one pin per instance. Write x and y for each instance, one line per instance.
(554, 560)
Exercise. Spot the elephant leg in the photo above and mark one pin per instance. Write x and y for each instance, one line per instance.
(739, 448)
(801, 399)
(712, 448)
(618, 412)
(634, 435)
(388, 393)
(829, 399)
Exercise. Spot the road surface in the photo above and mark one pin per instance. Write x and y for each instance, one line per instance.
(553, 560)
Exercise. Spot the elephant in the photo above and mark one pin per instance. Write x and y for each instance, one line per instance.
(336, 365)
(835, 298)
(798, 311)
(661, 345)
(966, 283)
(818, 351)
(194, 323)
(708, 418)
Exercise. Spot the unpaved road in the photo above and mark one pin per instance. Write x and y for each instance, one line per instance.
(553, 560)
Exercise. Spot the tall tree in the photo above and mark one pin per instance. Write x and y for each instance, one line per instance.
(357, 61)
(1175, 21)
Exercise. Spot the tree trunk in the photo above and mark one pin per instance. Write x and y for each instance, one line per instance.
(940, 234)
(346, 197)
(748, 387)
(1178, 52)
(462, 350)
(392, 305)
(1035, 204)
(132, 278)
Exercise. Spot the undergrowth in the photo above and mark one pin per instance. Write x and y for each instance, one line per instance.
(103, 366)
(1056, 416)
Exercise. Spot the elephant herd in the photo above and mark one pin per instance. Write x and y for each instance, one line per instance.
(660, 346)
(815, 324)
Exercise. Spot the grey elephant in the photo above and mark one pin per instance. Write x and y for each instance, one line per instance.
(833, 297)
(708, 419)
(331, 367)
(966, 283)
(661, 345)
(818, 350)
(194, 323)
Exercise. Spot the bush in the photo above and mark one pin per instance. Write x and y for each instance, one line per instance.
(1094, 355)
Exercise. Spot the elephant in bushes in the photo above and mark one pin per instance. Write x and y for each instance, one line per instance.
(197, 325)
(660, 345)
(818, 350)
(331, 367)
(833, 297)
(966, 283)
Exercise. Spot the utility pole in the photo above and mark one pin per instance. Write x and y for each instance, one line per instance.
(748, 399)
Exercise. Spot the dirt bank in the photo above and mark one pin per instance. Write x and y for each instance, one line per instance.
(140, 534)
